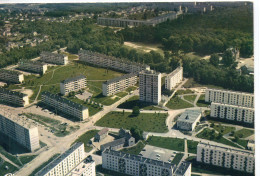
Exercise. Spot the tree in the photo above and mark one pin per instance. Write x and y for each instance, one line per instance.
(136, 111)
(214, 59)
(137, 133)
(228, 58)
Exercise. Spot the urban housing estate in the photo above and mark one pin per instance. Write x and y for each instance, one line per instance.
(236, 159)
(137, 165)
(73, 84)
(174, 78)
(65, 106)
(54, 58)
(111, 62)
(19, 130)
(150, 86)
(119, 84)
(33, 66)
(13, 97)
(11, 76)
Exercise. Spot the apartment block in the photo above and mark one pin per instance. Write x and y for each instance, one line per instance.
(13, 97)
(33, 66)
(230, 97)
(119, 84)
(150, 86)
(137, 165)
(73, 84)
(65, 106)
(86, 168)
(111, 62)
(174, 78)
(54, 58)
(21, 130)
(65, 163)
(232, 112)
(188, 120)
(236, 159)
(11, 76)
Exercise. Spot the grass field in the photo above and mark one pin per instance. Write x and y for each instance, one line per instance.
(135, 149)
(192, 146)
(242, 142)
(182, 92)
(85, 138)
(243, 133)
(27, 159)
(9, 156)
(145, 121)
(223, 129)
(190, 98)
(177, 103)
(134, 101)
(201, 101)
(166, 142)
(192, 83)
(176, 160)
(3, 165)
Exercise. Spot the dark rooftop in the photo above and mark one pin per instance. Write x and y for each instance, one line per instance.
(10, 72)
(120, 78)
(6, 91)
(73, 79)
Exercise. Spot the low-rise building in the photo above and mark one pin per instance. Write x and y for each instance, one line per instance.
(232, 112)
(54, 58)
(102, 134)
(33, 66)
(111, 62)
(188, 120)
(86, 168)
(174, 78)
(137, 165)
(65, 163)
(113, 145)
(20, 130)
(150, 86)
(119, 84)
(65, 106)
(236, 159)
(230, 97)
(13, 97)
(11, 76)
(73, 84)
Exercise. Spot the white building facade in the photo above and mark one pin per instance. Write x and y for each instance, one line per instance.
(232, 112)
(65, 106)
(73, 84)
(236, 159)
(150, 86)
(85, 168)
(174, 78)
(11, 76)
(119, 84)
(230, 97)
(54, 58)
(13, 97)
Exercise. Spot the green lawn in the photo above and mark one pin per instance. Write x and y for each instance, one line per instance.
(206, 134)
(192, 146)
(9, 156)
(166, 142)
(241, 142)
(135, 149)
(223, 129)
(243, 133)
(134, 101)
(3, 170)
(182, 92)
(177, 103)
(27, 159)
(192, 83)
(152, 122)
(132, 88)
(201, 101)
(85, 138)
(176, 160)
(190, 98)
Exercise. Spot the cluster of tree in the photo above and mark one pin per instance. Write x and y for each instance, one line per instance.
(137, 133)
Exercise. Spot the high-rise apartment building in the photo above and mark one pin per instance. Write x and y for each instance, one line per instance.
(230, 97)
(150, 86)
(73, 84)
(65, 106)
(54, 58)
(119, 84)
(11, 76)
(20, 130)
(86, 168)
(33, 66)
(236, 159)
(13, 97)
(174, 78)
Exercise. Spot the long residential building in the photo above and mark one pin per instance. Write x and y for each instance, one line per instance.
(86, 168)
(11, 76)
(111, 62)
(33, 66)
(119, 84)
(150, 86)
(174, 78)
(20, 130)
(65, 163)
(138, 166)
(236, 159)
(73, 84)
(13, 97)
(121, 22)
(54, 58)
(232, 112)
(230, 97)
(65, 106)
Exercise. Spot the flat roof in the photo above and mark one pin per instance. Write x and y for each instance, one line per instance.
(52, 54)
(103, 131)
(230, 91)
(114, 143)
(189, 116)
(174, 71)
(181, 170)
(120, 78)
(74, 79)
(79, 169)
(150, 72)
(10, 72)
(38, 63)
(10, 92)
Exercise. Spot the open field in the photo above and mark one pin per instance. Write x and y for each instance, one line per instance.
(190, 98)
(223, 129)
(192, 146)
(177, 103)
(4, 164)
(201, 101)
(152, 122)
(85, 138)
(182, 92)
(135, 149)
(192, 83)
(243, 133)
(167, 142)
(144, 47)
